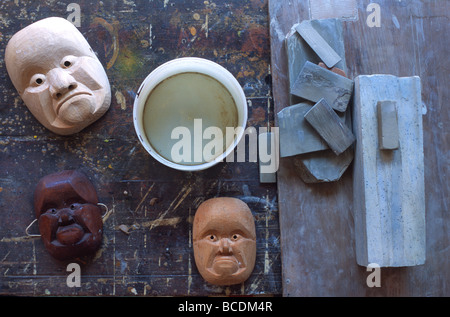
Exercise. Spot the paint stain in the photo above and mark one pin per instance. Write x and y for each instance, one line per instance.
(121, 100)
(256, 40)
(113, 30)
(128, 63)
(258, 116)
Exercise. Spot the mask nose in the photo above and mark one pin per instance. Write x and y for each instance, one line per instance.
(60, 83)
(225, 246)
(65, 217)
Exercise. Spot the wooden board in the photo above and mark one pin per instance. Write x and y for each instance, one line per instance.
(316, 221)
(131, 39)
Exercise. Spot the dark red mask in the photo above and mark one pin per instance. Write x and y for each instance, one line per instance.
(70, 221)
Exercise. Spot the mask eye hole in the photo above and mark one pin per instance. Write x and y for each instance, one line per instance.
(37, 80)
(212, 238)
(68, 61)
(235, 237)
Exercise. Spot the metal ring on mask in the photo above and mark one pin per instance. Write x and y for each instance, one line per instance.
(106, 207)
(38, 235)
(31, 235)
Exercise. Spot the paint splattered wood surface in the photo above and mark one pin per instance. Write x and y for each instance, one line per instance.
(154, 203)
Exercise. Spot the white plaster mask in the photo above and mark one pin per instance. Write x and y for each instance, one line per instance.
(58, 75)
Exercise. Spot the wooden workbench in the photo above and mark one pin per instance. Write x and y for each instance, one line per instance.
(316, 220)
(305, 244)
(131, 38)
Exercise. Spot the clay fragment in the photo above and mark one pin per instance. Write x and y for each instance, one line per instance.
(124, 228)
(333, 69)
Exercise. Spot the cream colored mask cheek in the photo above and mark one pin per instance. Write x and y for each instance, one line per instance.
(77, 110)
(83, 72)
(92, 96)
(77, 107)
(65, 112)
(40, 103)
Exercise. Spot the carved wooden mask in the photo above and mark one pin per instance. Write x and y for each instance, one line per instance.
(58, 75)
(70, 222)
(224, 241)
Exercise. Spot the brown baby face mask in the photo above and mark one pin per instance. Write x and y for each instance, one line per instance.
(224, 241)
(70, 221)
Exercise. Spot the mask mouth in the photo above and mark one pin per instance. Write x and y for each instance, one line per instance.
(69, 231)
(225, 265)
(225, 259)
(70, 234)
(67, 98)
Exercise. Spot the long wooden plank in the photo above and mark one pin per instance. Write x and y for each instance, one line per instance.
(316, 221)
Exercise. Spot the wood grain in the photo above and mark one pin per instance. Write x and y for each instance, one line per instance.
(316, 221)
(157, 204)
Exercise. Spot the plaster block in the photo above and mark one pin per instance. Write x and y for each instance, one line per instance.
(388, 186)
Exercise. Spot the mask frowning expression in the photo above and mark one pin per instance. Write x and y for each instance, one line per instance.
(58, 76)
(70, 221)
(224, 241)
